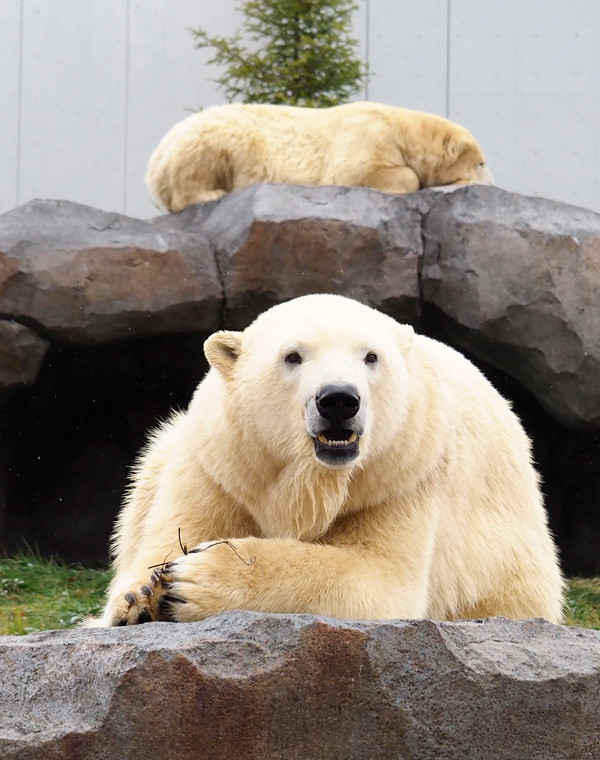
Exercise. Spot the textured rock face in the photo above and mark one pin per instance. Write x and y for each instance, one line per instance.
(85, 276)
(22, 352)
(102, 320)
(246, 685)
(518, 280)
(276, 243)
(514, 278)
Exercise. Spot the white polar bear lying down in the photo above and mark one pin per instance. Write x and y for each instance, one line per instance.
(391, 149)
(334, 462)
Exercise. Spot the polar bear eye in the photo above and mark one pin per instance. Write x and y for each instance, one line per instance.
(293, 358)
(371, 358)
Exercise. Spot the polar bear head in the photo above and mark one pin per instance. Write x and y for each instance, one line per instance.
(461, 161)
(320, 378)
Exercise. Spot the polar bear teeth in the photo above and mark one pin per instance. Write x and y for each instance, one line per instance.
(351, 439)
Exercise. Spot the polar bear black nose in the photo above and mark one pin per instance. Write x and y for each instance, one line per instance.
(338, 402)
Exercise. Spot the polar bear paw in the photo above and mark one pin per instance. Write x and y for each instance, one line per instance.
(143, 603)
(200, 583)
(160, 598)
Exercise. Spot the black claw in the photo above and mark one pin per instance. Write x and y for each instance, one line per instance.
(130, 598)
(165, 611)
(168, 566)
(144, 617)
(147, 591)
(167, 585)
(156, 576)
(165, 607)
(173, 599)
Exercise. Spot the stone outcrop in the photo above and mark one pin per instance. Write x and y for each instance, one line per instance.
(284, 687)
(80, 275)
(102, 320)
(22, 352)
(275, 243)
(517, 280)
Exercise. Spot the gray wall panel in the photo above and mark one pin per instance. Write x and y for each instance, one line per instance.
(407, 54)
(526, 80)
(168, 78)
(74, 98)
(101, 81)
(10, 93)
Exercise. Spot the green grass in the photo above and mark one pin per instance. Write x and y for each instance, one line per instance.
(39, 594)
(583, 603)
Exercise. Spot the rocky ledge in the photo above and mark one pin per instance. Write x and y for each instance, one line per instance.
(249, 685)
(102, 319)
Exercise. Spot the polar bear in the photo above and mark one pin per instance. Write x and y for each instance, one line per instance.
(334, 462)
(368, 144)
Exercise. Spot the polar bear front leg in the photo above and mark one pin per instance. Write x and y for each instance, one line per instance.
(289, 576)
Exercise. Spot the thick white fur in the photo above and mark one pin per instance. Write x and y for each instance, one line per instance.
(440, 515)
(224, 148)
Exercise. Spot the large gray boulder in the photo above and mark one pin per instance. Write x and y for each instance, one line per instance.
(513, 279)
(276, 242)
(86, 276)
(517, 282)
(22, 352)
(284, 687)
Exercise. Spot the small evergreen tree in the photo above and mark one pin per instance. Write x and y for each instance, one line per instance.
(303, 54)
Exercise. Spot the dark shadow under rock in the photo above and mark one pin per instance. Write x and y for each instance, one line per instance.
(71, 438)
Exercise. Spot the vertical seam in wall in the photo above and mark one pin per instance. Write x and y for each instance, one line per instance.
(20, 103)
(126, 106)
(367, 44)
(448, 20)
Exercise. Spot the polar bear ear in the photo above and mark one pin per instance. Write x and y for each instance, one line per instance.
(454, 146)
(405, 336)
(222, 350)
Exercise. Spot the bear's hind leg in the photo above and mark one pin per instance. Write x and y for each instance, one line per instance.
(397, 179)
(181, 200)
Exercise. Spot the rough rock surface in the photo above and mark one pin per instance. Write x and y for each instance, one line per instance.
(86, 276)
(254, 686)
(518, 280)
(274, 243)
(22, 352)
(514, 278)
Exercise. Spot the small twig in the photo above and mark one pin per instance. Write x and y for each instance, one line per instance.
(202, 548)
(160, 564)
(231, 546)
(209, 544)
(184, 548)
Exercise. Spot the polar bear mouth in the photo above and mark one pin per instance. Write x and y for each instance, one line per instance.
(336, 446)
(337, 438)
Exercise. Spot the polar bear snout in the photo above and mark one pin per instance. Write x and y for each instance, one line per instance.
(336, 420)
(338, 403)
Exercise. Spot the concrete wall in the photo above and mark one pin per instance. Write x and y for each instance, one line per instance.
(88, 88)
